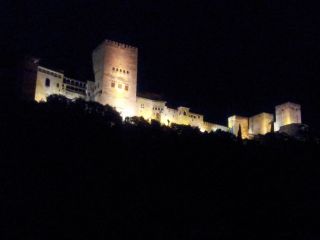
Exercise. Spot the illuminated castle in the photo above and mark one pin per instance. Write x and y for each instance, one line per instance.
(115, 67)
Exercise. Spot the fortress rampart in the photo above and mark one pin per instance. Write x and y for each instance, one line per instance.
(115, 67)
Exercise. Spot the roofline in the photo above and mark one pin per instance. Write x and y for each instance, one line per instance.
(150, 99)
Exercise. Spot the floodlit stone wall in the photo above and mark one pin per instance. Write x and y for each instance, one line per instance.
(235, 121)
(115, 68)
(286, 114)
(150, 109)
(260, 124)
(48, 82)
(157, 110)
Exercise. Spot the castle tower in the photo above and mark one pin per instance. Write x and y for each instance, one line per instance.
(115, 68)
(286, 114)
(260, 124)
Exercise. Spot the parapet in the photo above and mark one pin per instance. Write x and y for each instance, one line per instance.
(181, 108)
(116, 44)
(288, 104)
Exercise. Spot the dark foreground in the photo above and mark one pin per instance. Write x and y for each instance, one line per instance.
(75, 171)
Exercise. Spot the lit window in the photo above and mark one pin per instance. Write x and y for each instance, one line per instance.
(127, 88)
(113, 84)
(47, 82)
(119, 85)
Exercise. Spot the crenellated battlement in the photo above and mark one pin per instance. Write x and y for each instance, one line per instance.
(118, 44)
(115, 44)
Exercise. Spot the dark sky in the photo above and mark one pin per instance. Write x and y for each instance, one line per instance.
(219, 57)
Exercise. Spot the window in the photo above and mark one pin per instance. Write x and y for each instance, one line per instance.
(47, 82)
(120, 86)
(127, 72)
(127, 88)
(142, 105)
(113, 69)
(184, 113)
(113, 84)
(57, 85)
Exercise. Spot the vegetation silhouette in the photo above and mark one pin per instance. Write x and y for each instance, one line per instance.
(239, 134)
(75, 169)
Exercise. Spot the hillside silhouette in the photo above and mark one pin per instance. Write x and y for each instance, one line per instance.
(75, 170)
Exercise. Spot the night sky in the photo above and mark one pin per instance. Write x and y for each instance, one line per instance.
(217, 57)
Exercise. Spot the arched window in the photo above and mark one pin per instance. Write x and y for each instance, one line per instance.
(47, 82)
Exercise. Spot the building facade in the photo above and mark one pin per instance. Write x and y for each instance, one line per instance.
(115, 67)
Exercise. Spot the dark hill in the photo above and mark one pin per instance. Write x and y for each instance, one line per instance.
(74, 170)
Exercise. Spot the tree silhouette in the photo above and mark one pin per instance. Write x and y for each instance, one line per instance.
(272, 127)
(239, 135)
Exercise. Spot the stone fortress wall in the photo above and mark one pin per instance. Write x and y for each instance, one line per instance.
(115, 67)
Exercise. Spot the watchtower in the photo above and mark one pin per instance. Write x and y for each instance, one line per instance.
(287, 113)
(115, 67)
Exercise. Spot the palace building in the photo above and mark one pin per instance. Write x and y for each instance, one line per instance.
(115, 68)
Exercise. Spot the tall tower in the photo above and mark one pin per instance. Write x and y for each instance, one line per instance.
(287, 113)
(115, 67)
